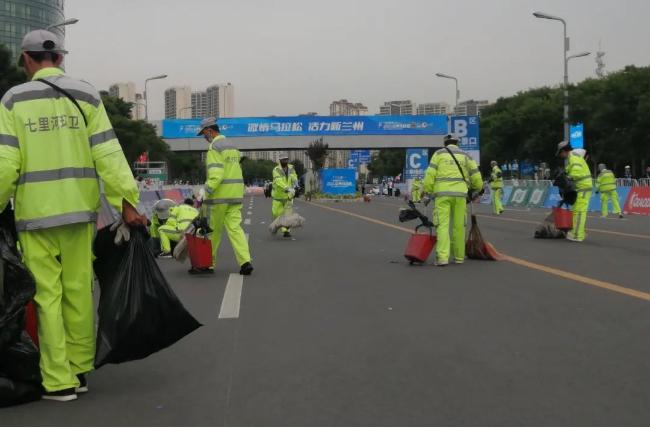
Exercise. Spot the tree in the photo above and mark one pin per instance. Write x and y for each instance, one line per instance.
(135, 136)
(615, 111)
(317, 153)
(388, 162)
(10, 75)
(257, 170)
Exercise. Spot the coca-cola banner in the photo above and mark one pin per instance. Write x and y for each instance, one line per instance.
(638, 201)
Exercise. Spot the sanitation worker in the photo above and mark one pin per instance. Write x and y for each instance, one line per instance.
(606, 186)
(451, 173)
(577, 169)
(284, 190)
(496, 187)
(416, 189)
(224, 194)
(56, 141)
(180, 217)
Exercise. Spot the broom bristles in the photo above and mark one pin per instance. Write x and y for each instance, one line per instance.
(477, 248)
(291, 221)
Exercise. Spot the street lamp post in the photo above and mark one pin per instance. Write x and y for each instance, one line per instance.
(543, 15)
(146, 98)
(446, 76)
(68, 21)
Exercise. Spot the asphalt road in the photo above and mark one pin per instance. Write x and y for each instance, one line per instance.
(335, 328)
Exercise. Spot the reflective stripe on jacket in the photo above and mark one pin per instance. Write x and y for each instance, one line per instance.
(443, 178)
(225, 183)
(282, 182)
(183, 216)
(579, 172)
(50, 160)
(496, 178)
(606, 181)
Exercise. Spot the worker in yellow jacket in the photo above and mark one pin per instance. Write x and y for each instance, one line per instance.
(577, 169)
(416, 189)
(606, 186)
(180, 217)
(224, 194)
(496, 187)
(451, 173)
(56, 143)
(284, 190)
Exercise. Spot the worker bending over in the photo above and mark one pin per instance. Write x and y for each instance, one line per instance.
(606, 186)
(180, 217)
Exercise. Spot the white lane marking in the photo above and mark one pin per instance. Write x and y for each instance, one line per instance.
(247, 221)
(232, 297)
(247, 236)
(249, 213)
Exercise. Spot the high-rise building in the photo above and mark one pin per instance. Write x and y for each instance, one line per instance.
(470, 107)
(344, 107)
(126, 91)
(397, 108)
(215, 101)
(434, 108)
(199, 104)
(178, 102)
(19, 17)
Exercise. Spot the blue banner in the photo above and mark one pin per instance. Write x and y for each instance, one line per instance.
(338, 181)
(312, 125)
(577, 136)
(417, 161)
(466, 129)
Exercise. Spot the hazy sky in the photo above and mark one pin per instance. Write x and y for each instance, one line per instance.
(288, 57)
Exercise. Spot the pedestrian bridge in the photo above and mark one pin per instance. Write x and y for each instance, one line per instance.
(339, 132)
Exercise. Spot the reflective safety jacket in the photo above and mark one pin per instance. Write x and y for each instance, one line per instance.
(416, 185)
(606, 181)
(182, 216)
(443, 178)
(283, 181)
(579, 172)
(496, 178)
(225, 183)
(50, 160)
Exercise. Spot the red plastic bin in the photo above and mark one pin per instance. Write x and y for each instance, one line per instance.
(419, 247)
(563, 218)
(200, 251)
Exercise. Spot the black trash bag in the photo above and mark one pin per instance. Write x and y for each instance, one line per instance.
(566, 187)
(139, 314)
(20, 375)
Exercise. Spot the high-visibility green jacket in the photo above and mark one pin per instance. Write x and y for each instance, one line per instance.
(283, 181)
(416, 186)
(182, 216)
(579, 172)
(443, 178)
(496, 178)
(50, 161)
(225, 183)
(606, 181)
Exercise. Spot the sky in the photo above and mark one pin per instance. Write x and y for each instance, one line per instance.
(287, 57)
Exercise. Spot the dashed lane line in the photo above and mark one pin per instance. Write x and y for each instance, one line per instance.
(520, 262)
(232, 297)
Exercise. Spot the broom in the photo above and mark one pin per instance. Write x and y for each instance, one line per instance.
(476, 247)
(290, 221)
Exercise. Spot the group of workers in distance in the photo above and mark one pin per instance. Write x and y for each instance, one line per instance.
(453, 179)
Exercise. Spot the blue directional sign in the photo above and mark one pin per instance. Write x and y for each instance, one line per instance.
(358, 157)
(577, 135)
(416, 163)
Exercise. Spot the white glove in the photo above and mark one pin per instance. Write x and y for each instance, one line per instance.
(292, 193)
(123, 233)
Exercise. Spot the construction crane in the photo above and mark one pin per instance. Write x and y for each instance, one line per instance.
(600, 63)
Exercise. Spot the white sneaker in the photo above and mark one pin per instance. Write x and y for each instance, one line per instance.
(61, 396)
(571, 237)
